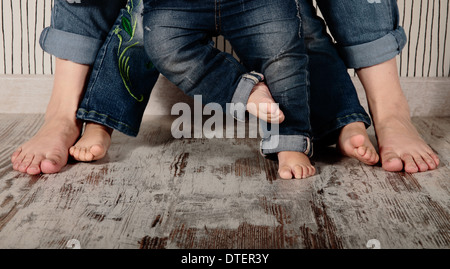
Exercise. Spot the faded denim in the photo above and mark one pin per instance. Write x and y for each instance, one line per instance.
(266, 36)
(78, 30)
(334, 102)
(367, 32)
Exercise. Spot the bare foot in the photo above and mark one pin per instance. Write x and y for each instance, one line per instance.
(294, 164)
(401, 147)
(354, 142)
(94, 143)
(261, 104)
(47, 152)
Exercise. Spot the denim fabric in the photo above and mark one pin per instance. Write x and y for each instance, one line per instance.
(334, 102)
(122, 77)
(78, 29)
(266, 36)
(367, 32)
(242, 93)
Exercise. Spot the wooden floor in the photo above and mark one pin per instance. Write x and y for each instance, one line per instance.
(155, 192)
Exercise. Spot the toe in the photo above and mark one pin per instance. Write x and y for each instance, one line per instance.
(285, 172)
(298, 172)
(34, 168)
(15, 154)
(429, 161)
(276, 115)
(373, 158)
(391, 161)
(435, 158)
(362, 151)
(82, 155)
(26, 163)
(50, 166)
(96, 152)
(312, 171)
(52, 163)
(420, 163)
(76, 153)
(357, 141)
(72, 150)
(88, 155)
(410, 164)
(18, 161)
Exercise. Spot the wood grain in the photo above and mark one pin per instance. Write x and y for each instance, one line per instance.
(157, 192)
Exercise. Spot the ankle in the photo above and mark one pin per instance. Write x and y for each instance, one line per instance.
(98, 127)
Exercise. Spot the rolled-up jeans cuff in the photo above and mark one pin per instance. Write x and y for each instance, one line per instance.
(242, 92)
(108, 121)
(374, 52)
(69, 46)
(279, 143)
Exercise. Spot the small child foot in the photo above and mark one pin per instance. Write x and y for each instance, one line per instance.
(261, 104)
(94, 143)
(294, 164)
(354, 142)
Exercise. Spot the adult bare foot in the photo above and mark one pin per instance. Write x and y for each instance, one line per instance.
(294, 164)
(354, 142)
(261, 104)
(47, 152)
(401, 147)
(94, 143)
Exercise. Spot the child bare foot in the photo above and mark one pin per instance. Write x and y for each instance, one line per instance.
(47, 152)
(354, 142)
(261, 104)
(294, 164)
(94, 143)
(401, 147)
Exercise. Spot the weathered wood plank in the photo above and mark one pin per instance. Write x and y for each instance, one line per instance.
(155, 191)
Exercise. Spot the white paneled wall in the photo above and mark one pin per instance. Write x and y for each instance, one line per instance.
(427, 53)
(21, 24)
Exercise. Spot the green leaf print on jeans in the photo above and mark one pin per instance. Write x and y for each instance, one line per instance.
(129, 26)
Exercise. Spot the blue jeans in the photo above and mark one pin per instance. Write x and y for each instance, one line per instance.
(78, 30)
(367, 32)
(266, 36)
(122, 76)
(334, 103)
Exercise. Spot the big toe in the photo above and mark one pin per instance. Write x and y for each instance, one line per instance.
(391, 162)
(285, 172)
(53, 164)
(98, 151)
(275, 115)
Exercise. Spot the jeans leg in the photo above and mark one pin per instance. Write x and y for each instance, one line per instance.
(367, 32)
(78, 30)
(334, 101)
(122, 77)
(267, 36)
(183, 51)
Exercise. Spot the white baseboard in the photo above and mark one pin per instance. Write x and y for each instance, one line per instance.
(31, 93)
